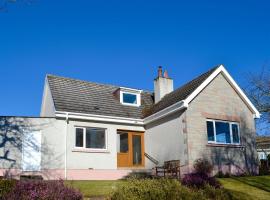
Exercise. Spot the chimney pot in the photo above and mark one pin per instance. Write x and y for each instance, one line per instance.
(166, 75)
(162, 85)
(160, 71)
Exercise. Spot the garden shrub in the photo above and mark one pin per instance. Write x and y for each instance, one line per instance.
(42, 190)
(6, 186)
(151, 189)
(203, 166)
(169, 189)
(201, 176)
(199, 180)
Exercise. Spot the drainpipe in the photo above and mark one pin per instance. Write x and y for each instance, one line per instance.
(66, 145)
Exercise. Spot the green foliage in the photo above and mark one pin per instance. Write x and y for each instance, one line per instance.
(160, 189)
(6, 186)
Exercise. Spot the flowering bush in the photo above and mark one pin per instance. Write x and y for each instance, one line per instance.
(5, 187)
(199, 180)
(41, 190)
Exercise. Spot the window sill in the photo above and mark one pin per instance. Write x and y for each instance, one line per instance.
(90, 150)
(225, 145)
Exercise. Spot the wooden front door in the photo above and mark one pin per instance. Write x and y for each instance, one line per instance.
(130, 149)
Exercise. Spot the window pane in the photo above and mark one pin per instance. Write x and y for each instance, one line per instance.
(129, 98)
(235, 133)
(223, 132)
(123, 142)
(95, 138)
(210, 131)
(79, 137)
(137, 149)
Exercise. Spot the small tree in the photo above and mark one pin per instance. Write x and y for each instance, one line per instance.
(258, 91)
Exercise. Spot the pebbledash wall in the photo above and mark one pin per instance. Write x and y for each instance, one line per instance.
(95, 165)
(220, 101)
(12, 131)
(80, 164)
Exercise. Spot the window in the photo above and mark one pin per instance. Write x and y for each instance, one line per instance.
(223, 132)
(79, 137)
(130, 97)
(90, 138)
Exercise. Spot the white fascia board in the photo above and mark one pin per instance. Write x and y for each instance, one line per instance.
(165, 112)
(131, 90)
(103, 118)
(232, 82)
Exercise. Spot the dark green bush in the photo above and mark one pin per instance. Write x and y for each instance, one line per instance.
(203, 166)
(165, 189)
(6, 186)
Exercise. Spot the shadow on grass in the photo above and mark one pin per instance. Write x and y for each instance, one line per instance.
(262, 183)
(239, 195)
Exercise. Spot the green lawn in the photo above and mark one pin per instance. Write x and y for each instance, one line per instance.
(257, 187)
(94, 188)
(243, 188)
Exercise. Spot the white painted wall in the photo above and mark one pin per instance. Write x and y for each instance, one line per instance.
(47, 106)
(13, 130)
(165, 140)
(101, 160)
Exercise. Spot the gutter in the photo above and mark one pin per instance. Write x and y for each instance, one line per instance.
(103, 118)
(165, 112)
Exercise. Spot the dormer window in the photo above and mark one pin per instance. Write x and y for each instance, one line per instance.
(130, 97)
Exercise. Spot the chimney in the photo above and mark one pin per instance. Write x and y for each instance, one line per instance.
(162, 85)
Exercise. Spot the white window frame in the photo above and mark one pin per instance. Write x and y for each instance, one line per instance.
(231, 134)
(138, 98)
(84, 139)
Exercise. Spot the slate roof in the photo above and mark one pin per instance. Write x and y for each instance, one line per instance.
(263, 142)
(179, 94)
(71, 95)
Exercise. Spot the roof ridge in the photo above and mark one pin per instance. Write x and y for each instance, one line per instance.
(91, 82)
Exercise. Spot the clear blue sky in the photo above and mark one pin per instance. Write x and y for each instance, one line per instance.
(123, 42)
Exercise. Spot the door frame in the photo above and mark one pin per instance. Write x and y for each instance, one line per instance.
(130, 149)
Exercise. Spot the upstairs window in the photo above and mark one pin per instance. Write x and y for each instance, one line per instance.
(223, 132)
(130, 97)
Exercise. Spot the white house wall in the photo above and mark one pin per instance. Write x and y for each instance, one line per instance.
(90, 160)
(165, 140)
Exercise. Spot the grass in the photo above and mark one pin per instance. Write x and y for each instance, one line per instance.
(242, 188)
(256, 187)
(94, 188)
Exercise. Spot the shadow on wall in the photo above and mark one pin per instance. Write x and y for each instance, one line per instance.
(237, 160)
(13, 130)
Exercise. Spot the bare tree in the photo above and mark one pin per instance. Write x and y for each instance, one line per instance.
(258, 91)
(5, 3)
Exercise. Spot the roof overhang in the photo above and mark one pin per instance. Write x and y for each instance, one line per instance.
(221, 69)
(99, 118)
(165, 112)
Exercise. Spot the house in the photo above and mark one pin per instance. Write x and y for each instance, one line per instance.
(263, 147)
(91, 131)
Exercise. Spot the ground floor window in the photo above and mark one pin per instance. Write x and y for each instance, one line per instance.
(223, 132)
(90, 138)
